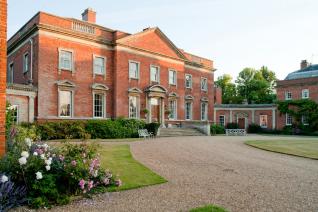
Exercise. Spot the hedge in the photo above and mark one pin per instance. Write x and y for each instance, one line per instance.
(103, 129)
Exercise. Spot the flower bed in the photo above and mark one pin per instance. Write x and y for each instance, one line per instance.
(38, 175)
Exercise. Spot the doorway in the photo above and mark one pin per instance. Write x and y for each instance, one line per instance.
(241, 123)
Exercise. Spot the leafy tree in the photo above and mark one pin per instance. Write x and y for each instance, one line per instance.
(229, 92)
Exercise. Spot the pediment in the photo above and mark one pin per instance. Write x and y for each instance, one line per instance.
(152, 40)
(189, 97)
(173, 95)
(204, 99)
(134, 90)
(156, 89)
(65, 83)
(98, 86)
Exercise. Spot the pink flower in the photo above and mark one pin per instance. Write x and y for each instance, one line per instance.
(73, 163)
(82, 184)
(106, 181)
(90, 185)
(118, 182)
(61, 157)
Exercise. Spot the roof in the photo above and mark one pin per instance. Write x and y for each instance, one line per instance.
(244, 105)
(310, 71)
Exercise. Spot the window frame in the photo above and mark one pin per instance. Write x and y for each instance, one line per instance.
(26, 62)
(138, 70)
(206, 85)
(305, 91)
(287, 95)
(72, 68)
(13, 107)
(11, 72)
(72, 102)
(205, 112)
(223, 120)
(137, 107)
(286, 121)
(191, 111)
(302, 120)
(175, 109)
(103, 105)
(158, 70)
(104, 67)
(185, 81)
(260, 121)
(175, 77)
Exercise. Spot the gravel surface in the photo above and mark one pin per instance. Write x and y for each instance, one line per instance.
(219, 170)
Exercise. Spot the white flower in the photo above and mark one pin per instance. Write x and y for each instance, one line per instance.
(48, 168)
(28, 141)
(48, 162)
(42, 156)
(22, 160)
(50, 159)
(95, 173)
(25, 154)
(4, 179)
(35, 153)
(38, 175)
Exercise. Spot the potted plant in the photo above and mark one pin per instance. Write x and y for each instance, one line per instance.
(145, 111)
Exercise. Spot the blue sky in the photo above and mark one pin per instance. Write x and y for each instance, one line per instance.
(234, 34)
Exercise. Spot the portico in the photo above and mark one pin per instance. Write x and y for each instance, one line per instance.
(155, 101)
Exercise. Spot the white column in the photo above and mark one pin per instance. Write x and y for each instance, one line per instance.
(253, 116)
(231, 114)
(31, 109)
(149, 115)
(273, 119)
(162, 113)
(214, 116)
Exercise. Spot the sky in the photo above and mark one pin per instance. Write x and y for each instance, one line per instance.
(234, 34)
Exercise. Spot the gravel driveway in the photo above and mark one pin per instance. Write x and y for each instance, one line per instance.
(219, 170)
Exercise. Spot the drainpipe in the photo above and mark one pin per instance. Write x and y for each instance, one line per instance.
(31, 61)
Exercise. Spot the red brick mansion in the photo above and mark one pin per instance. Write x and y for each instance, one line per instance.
(64, 68)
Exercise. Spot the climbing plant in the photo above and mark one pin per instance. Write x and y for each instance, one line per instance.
(299, 108)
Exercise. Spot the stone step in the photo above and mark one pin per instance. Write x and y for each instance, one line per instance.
(176, 132)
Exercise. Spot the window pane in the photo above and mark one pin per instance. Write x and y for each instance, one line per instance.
(99, 105)
(65, 101)
(222, 120)
(263, 121)
(66, 60)
(99, 65)
(172, 77)
(154, 74)
(133, 107)
(133, 70)
(203, 111)
(173, 109)
(188, 79)
(15, 113)
(188, 110)
(204, 84)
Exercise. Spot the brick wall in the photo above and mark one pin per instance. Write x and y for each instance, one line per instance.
(3, 70)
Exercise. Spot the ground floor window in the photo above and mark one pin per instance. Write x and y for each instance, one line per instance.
(65, 103)
(304, 120)
(173, 109)
(188, 110)
(99, 105)
(289, 119)
(133, 107)
(204, 111)
(222, 120)
(15, 113)
(263, 121)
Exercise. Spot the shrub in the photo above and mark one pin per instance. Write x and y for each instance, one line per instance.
(217, 129)
(9, 118)
(50, 175)
(152, 128)
(254, 128)
(10, 195)
(232, 126)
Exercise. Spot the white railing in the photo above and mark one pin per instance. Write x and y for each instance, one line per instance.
(235, 132)
(83, 28)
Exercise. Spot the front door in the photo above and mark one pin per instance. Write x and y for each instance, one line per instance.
(155, 110)
(241, 123)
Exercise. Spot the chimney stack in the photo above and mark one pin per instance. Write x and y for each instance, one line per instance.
(89, 15)
(303, 64)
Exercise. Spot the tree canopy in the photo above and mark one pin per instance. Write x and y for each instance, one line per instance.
(256, 86)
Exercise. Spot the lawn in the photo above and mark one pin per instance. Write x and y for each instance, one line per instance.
(97, 140)
(304, 148)
(208, 208)
(133, 174)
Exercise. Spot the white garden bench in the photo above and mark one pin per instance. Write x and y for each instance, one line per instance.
(143, 133)
(241, 132)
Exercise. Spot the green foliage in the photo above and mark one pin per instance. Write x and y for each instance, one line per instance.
(298, 109)
(229, 93)
(232, 126)
(208, 208)
(152, 128)
(217, 129)
(9, 118)
(254, 128)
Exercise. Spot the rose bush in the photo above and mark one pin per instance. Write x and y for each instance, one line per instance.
(52, 175)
